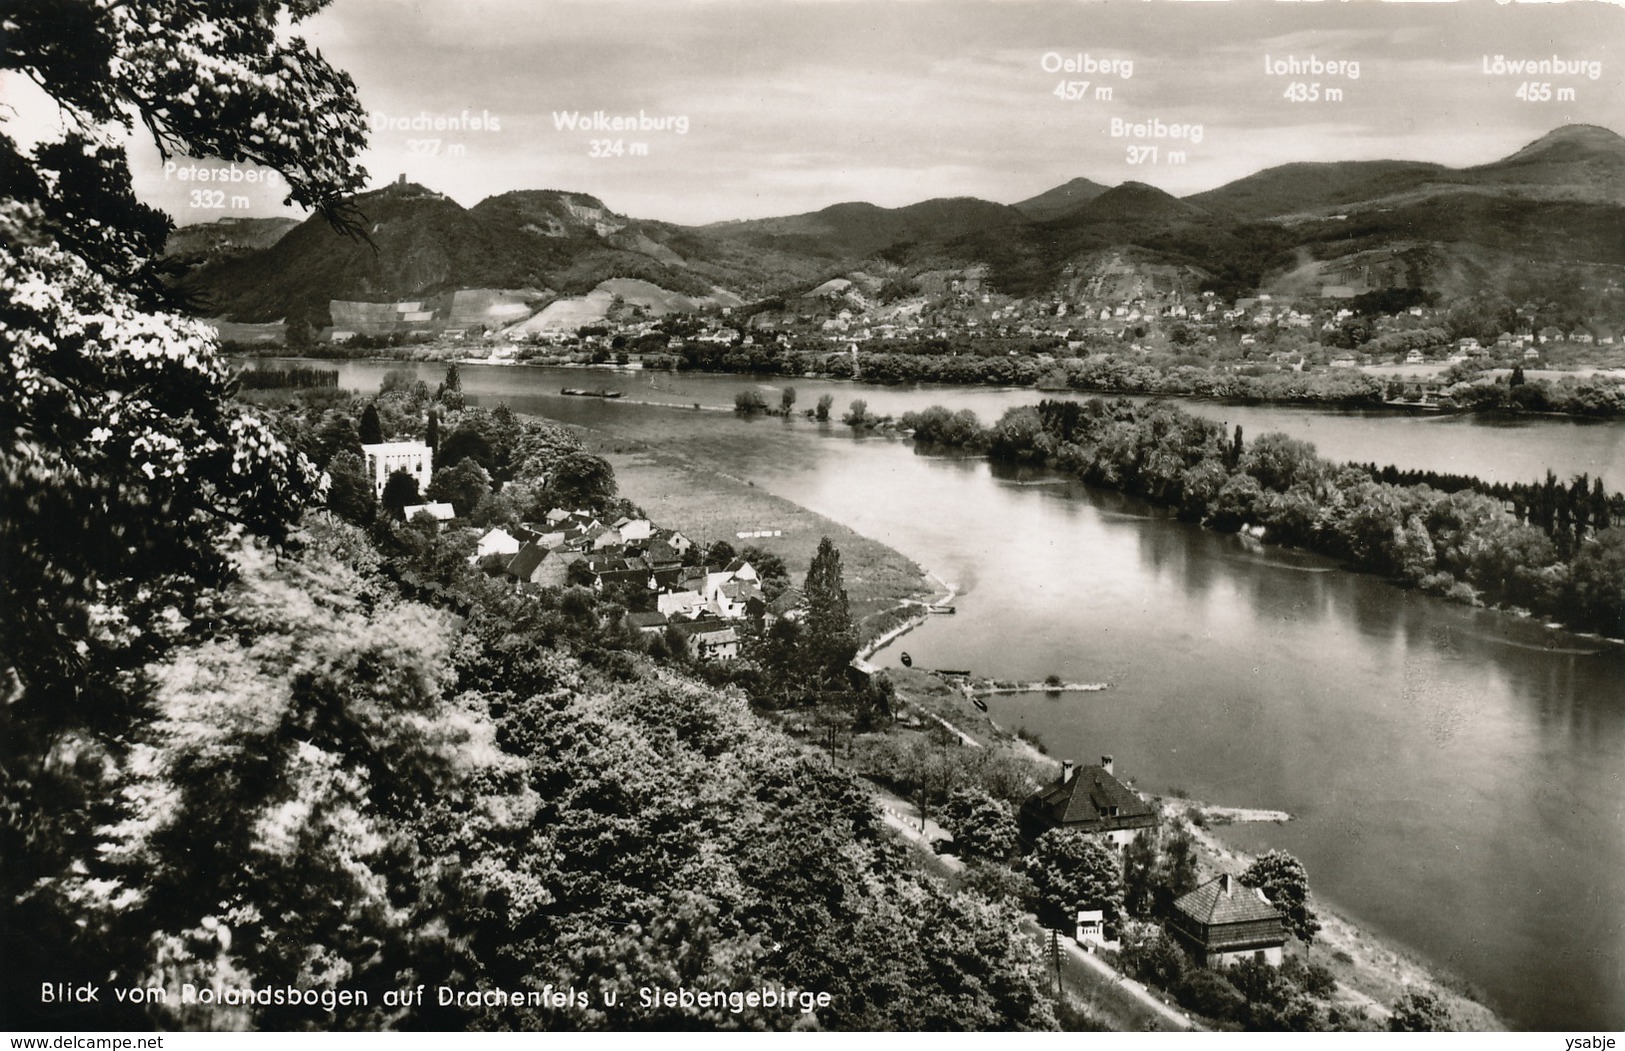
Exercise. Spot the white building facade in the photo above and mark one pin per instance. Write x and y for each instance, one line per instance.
(385, 458)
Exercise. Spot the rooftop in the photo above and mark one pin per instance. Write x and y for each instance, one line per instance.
(1226, 900)
(1091, 799)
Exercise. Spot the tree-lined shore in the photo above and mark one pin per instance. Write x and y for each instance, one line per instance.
(1549, 547)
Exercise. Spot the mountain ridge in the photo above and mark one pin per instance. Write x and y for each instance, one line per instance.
(1559, 199)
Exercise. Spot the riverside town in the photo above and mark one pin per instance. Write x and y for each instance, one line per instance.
(879, 565)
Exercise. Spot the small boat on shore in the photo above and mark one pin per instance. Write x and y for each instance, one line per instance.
(600, 393)
(939, 609)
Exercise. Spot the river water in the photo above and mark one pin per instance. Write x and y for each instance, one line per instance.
(1456, 774)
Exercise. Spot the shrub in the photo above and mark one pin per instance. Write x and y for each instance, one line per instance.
(1419, 1011)
(1208, 994)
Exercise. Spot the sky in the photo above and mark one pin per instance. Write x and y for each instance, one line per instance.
(775, 107)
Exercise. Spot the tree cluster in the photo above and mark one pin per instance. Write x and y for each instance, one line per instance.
(1464, 544)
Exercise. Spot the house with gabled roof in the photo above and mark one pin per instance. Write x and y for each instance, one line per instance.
(497, 541)
(660, 554)
(649, 623)
(710, 639)
(1091, 800)
(633, 528)
(526, 564)
(1224, 923)
(679, 543)
(680, 603)
(790, 604)
(734, 598)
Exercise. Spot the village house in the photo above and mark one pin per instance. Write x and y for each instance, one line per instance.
(683, 604)
(1091, 800)
(1090, 931)
(526, 566)
(790, 604)
(1225, 923)
(647, 623)
(660, 554)
(497, 541)
(709, 639)
(631, 529)
(440, 512)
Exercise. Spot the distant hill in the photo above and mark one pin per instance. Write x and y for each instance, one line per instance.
(858, 229)
(1062, 199)
(1577, 162)
(225, 236)
(1559, 202)
(1133, 203)
(422, 244)
(1290, 188)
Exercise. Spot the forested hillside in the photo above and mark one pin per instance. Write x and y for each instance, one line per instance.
(269, 768)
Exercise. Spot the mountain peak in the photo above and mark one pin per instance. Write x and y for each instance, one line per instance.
(1571, 141)
(1062, 199)
(1576, 161)
(1593, 133)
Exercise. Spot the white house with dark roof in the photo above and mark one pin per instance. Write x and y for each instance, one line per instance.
(1089, 799)
(439, 511)
(1225, 923)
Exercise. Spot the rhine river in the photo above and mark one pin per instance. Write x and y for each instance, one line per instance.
(1457, 775)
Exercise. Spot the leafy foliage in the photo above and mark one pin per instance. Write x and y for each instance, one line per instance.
(462, 484)
(1285, 883)
(127, 472)
(982, 827)
(749, 402)
(308, 777)
(1544, 547)
(1072, 871)
(830, 634)
(400, 492)
(580, 480)
(1419, 1011)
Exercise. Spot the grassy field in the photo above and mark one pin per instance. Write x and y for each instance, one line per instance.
(708, 505)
